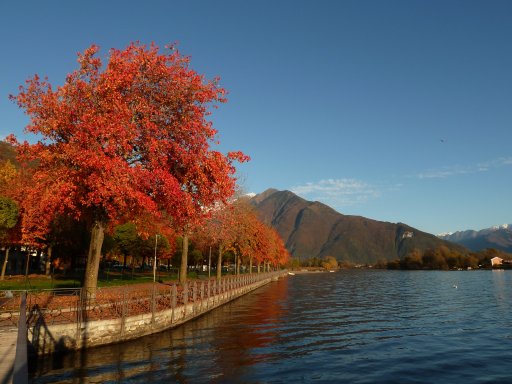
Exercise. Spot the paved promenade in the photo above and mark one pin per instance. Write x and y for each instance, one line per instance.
(8, 338)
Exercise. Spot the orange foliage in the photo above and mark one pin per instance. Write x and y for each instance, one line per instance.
(128, 140)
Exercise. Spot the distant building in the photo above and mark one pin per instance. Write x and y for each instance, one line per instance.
(496, 261)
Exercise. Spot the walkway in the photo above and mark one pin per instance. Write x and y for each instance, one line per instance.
(8, 338)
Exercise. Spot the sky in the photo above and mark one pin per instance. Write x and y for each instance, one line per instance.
(399, 111)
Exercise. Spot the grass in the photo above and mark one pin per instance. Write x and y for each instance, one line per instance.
(105, 279)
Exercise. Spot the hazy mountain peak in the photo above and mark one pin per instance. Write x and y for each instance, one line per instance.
(497, 236)
(502, 226)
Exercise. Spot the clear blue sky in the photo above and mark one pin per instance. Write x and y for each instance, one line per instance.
(393, 110)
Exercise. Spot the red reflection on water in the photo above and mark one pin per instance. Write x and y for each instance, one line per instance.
(247, 326)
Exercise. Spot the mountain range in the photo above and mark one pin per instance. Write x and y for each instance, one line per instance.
(498, 237)
(313, 229)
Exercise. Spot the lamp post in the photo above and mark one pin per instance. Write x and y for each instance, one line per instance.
(154, 261)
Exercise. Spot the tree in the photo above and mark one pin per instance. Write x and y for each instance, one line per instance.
(8, 220)
(126, 240)
(236, 228)
(330, 262)
(9, 210)
(219, 231)
(294, 263)
(413, 260)
(128, 141)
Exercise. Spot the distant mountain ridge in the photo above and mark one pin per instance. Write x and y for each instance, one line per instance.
(498, 237)
(312, 229)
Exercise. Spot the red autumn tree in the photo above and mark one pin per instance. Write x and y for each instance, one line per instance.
(272, 250)
(122, 141)
(247, 237)
(9, 211)
(236, 227)
(218, 231)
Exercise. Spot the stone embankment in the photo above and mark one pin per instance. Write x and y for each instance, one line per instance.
(71, 320)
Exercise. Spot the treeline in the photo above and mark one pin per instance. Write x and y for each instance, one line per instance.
(327, 262)
(442, 258)
(232, 235)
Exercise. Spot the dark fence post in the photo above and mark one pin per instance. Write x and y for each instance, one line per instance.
(20, 373)
(194, 297)
(124, 309)
(173, 300)
(153, 303)
(79, 316)
(202, 295)
(185, 297)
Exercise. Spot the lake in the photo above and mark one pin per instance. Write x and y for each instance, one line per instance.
(354, 326)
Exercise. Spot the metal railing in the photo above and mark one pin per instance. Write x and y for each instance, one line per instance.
(76, 305)
(36, 310)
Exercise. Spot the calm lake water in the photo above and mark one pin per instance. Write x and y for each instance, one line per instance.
(358, 326)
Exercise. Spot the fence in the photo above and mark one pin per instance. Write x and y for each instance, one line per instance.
(76, 308)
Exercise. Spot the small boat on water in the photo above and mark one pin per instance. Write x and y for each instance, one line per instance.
(291, 273)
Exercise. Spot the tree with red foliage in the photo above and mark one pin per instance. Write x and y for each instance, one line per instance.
(9, 211)
(275, 253)
(219, 231)
(123, 141)
(251, 235)
(236, 227)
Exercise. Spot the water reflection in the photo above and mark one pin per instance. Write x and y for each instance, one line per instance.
(352, 326)
(217, 344)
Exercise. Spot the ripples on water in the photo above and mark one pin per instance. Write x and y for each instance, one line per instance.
(359, 326)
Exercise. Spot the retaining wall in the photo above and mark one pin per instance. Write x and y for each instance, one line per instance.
(46, 338)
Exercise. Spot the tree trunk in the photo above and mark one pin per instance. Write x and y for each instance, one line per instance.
(38, 260)
(4, 266)
(219, 263)
(237, 261)
(48, 263)
(259, 267)
(250, 265)
(184, 260)
(93, 257)
(27, 264)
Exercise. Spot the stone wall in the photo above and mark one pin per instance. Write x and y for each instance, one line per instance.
(47, 339)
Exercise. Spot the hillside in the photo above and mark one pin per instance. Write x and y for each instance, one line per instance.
(312, 229)
(7, 152)
(498, 237)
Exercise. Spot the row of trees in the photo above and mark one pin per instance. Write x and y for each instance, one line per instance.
(232, 230)
(126, 141)
(327, 262)
(442, 258)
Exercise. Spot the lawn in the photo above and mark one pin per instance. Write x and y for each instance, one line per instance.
(106, 279)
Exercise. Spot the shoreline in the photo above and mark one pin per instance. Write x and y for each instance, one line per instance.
(307, 271)
(198, 299)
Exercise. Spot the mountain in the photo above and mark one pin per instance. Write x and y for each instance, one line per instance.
(7, 152)
(498, 237)
(312, 229)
